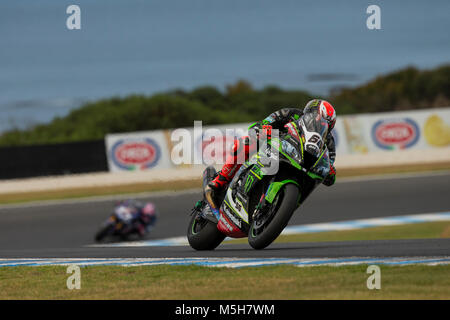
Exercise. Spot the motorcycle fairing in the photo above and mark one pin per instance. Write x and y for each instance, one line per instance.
(275, 187)
(231, 222)
(234, 220)
(234, 216)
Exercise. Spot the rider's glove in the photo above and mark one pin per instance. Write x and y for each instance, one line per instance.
(266, 131)
(260, 133)
(331, 178)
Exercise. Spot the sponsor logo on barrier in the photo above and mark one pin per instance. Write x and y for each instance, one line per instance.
(395, 134)
(135, 154)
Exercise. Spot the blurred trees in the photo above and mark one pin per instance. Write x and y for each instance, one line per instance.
(401, 90)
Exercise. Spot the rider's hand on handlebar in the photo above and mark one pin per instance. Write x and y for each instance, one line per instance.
(266, 131)
(331, 178)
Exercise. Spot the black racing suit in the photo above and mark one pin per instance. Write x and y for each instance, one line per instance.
(277, 120)
(283, 116)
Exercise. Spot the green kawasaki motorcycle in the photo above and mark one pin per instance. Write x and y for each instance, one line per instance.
(260, 201)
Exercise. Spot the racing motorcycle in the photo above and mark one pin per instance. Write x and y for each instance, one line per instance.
(259, 203)
(125, 220)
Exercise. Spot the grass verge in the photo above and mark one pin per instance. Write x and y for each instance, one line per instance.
(426, 167)
(188, 184)
(195, 282)
(428, 230)
(75, 193)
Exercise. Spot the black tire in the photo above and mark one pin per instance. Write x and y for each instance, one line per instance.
(203, 234)
(103, 232)
(279, 221)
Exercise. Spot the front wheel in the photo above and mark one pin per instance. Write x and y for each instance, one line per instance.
(264, 230)
(103, 232)
(203, 234)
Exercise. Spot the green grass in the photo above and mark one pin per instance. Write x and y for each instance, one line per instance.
(195, 282)
(428, 230)
(269, 282)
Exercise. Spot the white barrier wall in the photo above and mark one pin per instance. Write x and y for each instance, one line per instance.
(153, 149)
(363, 141)
(357, 135)
(424, 129)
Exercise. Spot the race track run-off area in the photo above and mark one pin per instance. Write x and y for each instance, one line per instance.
(61, 232)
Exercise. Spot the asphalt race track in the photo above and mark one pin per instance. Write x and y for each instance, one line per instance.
(61, 230)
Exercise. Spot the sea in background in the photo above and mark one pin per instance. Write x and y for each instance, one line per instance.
(142, 47)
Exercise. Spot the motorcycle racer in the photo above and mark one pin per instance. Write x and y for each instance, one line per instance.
(144, 216)
(277, 120)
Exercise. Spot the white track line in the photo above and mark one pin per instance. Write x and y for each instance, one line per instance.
(227, 262)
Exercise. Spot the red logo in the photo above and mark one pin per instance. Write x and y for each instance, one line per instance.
(400, 133)
(135, 153)
(130, 155)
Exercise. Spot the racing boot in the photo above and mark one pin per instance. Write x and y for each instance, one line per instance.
(214, 188)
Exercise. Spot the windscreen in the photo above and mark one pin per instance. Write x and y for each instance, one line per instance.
(313, 122)
(314, 130)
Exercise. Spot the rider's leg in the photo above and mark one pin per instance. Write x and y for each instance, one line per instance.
(233, 162)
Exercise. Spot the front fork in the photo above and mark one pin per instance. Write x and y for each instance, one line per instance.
(201, 212)
(197, 207)
(262, 206)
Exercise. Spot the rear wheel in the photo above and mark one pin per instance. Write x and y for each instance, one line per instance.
(266, 228)
(203, 234)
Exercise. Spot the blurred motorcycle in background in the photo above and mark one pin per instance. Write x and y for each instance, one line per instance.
(130, 217)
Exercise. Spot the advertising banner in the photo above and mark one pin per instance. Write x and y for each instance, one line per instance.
(204, 145)
(137, 151)
(421, 129)
(339, 136)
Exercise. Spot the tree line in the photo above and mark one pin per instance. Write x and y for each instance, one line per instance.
(405, 89)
